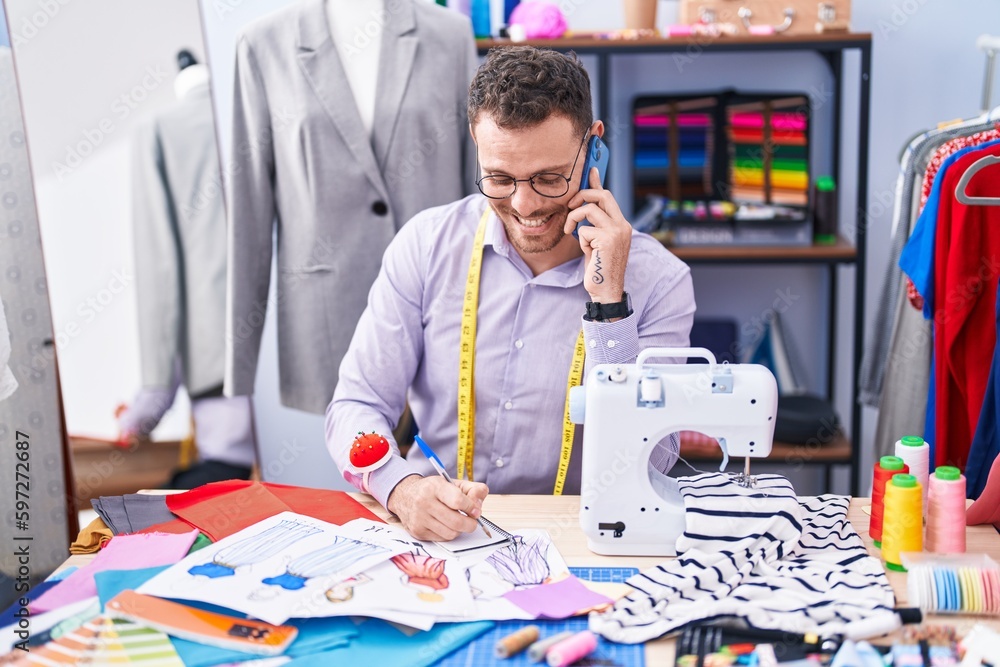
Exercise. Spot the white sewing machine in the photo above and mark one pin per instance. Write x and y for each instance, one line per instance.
(626, 409)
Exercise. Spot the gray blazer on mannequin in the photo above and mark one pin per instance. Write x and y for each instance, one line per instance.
(180, 245)
(302, 158)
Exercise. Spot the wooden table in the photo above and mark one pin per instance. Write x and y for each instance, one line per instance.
(559, 515)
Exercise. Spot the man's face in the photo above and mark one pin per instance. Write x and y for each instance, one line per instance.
(534, 223)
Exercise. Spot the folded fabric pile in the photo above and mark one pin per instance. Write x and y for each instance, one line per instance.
(760, 556)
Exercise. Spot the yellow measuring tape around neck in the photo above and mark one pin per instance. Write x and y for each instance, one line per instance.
(466, 373)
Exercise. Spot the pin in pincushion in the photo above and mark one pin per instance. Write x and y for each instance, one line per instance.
(370, 451)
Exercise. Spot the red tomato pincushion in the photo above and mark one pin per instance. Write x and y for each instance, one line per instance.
(369, 452)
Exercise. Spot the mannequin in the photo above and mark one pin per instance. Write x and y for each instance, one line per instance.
(352, 22)
(180, 245)
(338, 159)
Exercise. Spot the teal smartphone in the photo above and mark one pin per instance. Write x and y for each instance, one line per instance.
(597, 156)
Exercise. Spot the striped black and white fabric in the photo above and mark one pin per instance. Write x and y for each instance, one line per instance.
(759, 556)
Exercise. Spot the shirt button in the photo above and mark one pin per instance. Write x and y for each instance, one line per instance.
(499, 463)
(611, 343)
(380, 208)
(593, 343)
(508, 405)
(518, 344)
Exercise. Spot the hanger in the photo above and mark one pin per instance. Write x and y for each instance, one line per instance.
(973, 169)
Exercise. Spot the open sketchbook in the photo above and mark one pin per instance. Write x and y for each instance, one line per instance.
(477, 539)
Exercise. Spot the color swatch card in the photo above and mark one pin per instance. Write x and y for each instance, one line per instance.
(198, 625)
(102, 641)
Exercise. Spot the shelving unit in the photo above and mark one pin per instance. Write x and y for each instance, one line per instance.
(831, 47)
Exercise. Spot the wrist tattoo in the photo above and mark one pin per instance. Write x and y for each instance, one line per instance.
(598, 277)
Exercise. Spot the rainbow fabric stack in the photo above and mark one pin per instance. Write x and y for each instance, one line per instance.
(769, 159)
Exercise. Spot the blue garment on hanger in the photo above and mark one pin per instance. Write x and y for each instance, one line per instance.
(930, 423)
(986, 443)
(917, 259)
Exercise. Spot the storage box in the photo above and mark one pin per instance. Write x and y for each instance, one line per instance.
(803, 17)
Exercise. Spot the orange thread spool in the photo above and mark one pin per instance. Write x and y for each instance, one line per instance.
(885, 468)
(903, 528)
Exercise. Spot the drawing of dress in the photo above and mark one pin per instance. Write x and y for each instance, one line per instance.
(254, 549)
(522, 563)
(337, 557)
(421, 570)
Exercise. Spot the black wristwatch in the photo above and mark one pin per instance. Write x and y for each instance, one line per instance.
(602, 312)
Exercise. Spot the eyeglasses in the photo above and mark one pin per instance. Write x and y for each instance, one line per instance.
(547, 184)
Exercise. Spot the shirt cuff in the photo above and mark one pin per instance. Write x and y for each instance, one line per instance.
(612, 342)
(381, 482)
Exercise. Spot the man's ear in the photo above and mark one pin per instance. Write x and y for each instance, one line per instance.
(472, 133)
(597, 129)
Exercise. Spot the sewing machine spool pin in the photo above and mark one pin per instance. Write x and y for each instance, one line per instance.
(627, 409)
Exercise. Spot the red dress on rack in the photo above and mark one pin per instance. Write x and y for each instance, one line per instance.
(966, 268)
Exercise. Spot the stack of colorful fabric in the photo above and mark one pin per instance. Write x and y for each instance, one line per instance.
(769, 160)
(653, 150)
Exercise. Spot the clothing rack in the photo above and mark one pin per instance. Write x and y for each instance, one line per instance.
(989, 44)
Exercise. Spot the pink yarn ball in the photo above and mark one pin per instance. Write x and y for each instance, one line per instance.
(541, 20)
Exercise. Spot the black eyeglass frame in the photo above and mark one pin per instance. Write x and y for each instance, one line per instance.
(531, 179)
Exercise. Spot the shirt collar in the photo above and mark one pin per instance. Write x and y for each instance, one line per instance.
(567, 274)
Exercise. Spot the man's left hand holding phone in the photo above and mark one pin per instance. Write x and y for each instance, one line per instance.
(596, 220)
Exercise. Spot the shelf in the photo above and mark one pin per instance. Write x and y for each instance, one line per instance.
(591, 44)
(842, 252)
(837, 450)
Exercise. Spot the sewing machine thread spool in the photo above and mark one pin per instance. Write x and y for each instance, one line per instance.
(903, 528)
(537, 651)
(916, 454)
(946, 511)
(516, 642)
(885, 468)
(570, 650)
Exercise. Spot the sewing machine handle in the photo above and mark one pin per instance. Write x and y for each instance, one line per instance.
(654, 352)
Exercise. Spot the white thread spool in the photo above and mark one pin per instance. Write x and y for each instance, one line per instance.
(915, 452)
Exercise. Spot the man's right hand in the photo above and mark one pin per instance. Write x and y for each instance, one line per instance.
(429, 507)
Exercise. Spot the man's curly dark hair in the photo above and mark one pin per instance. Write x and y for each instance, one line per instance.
(521, 86)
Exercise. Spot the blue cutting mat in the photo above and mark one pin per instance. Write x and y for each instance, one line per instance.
(480, 652)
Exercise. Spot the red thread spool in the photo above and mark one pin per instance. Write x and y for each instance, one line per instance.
(885, 468)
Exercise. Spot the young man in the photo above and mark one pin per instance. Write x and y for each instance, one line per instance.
(537, 287)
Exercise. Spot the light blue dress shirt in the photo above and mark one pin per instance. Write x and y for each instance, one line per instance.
(406, 347)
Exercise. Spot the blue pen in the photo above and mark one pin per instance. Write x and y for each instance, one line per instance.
(436, 462)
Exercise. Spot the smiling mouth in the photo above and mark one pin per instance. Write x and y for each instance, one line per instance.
(533, 223)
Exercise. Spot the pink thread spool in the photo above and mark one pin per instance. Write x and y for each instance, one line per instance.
(570, 650)
(946, 511)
